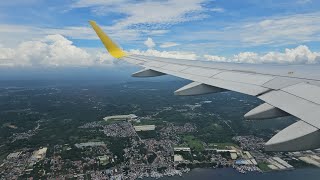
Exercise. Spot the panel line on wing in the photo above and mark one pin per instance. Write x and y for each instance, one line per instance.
(306, 110)
(235, 70)
(182, 71)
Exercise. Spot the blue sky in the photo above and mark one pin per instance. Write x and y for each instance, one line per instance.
(56, 33)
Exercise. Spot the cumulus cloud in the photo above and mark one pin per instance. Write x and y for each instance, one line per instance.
(58, 51)
(169, 44)
(166, 54)
(214, 58)
(150, 43)
(52, 50)
(299, 55)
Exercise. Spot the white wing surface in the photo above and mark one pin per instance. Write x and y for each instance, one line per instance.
(285, 89)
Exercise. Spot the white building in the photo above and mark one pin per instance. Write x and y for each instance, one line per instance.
(187, 149)
(145, 128)
(89, 144)
(128, 117)
(178, 158)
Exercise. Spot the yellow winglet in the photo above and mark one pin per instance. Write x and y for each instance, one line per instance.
(112, 47)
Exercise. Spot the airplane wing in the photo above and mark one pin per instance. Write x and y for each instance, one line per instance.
(285, 89)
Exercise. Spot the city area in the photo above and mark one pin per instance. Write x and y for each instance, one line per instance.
(90, 134)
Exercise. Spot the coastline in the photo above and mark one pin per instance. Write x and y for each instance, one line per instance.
(229, 173)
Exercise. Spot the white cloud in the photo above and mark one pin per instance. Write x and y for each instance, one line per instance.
(52, 51)
(92, 3)
(149, 43)
(157, 13)
(276, 31)
(166, 54)
(12, 35)
(246, 57)
(283, 30)
(218, 10)
(299, 55)
(215, 58)
(58, 51)
(169, 44)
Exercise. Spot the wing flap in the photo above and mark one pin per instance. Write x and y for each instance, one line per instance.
(305, 110)
(296, 137)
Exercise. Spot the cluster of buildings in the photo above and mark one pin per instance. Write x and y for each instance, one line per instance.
(310, 157)
(172, 131)
(25, 135)
(121, 129)
(151, 157)
(249, 142)
(276, 163)
(21, 162)
(146, 158)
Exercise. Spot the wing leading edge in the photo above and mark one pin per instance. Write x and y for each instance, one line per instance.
(287, 90)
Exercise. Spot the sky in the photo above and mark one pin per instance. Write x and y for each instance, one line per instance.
(56, 34)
